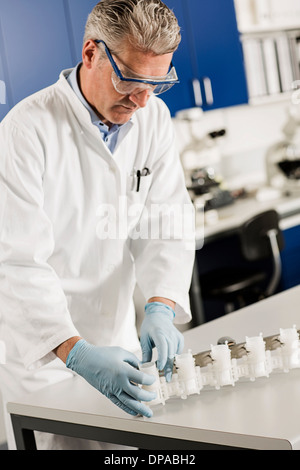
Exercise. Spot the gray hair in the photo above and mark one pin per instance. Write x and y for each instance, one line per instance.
(149, 25)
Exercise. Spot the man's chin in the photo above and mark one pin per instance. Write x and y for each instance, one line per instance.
(120, 115)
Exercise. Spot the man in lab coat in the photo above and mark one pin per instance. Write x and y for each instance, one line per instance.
(89, 174)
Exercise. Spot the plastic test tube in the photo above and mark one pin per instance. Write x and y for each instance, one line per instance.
(187, 376)
(290, 353)
(151, 369)
(256, 357)
(222, 365)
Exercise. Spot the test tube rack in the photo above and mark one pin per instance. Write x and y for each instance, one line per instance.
(221, 369)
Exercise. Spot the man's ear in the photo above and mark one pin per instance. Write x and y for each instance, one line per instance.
(89, 53)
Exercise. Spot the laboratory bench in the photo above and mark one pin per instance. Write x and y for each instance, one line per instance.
(260, 414)
(224, 221)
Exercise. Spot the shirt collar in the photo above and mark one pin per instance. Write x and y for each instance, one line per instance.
(73, 81)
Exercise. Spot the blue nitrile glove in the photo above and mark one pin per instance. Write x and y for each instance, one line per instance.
(113, 371)
(158, 331)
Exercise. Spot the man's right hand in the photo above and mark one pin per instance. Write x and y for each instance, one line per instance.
(114, 372)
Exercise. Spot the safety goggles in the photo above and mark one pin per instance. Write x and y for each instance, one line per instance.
(133, 83)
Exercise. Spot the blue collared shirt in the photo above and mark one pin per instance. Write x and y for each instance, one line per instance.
(109, 136)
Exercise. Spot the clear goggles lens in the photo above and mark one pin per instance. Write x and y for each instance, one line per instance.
(134, 85)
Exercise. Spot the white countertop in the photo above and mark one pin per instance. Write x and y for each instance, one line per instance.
(230, 217)
(264, 414)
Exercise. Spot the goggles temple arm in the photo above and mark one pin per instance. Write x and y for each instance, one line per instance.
(137, 80)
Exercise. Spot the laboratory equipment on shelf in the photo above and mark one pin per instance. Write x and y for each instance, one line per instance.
(283, 158)
(201, 160)
(226, 363)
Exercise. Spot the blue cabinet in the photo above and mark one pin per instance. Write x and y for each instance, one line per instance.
(290, 258)
(210, 59)
(35, 43)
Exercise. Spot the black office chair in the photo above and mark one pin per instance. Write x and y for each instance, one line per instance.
(260, 240)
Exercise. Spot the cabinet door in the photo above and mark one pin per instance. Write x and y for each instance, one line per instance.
(210, 59)
(290, 258)
(36, 43)
(217, 52)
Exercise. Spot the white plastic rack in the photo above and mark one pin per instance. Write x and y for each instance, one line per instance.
(224, 370)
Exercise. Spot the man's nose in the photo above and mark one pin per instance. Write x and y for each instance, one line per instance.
(141, 98)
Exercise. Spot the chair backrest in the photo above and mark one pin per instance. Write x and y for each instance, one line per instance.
(255, 236)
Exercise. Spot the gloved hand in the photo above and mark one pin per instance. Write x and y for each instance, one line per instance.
(158, 330)
(113, 371)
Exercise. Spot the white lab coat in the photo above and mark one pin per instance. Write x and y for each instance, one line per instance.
(60, 275)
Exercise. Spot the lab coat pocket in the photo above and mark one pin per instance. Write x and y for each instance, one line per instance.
(136, 197)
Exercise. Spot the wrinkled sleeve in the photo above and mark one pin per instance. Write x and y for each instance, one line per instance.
(164, 251)
(32, 302)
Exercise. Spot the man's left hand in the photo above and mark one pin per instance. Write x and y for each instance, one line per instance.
(158, 331)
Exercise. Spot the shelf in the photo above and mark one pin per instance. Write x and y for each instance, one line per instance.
(269, 28)
(268, 99)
